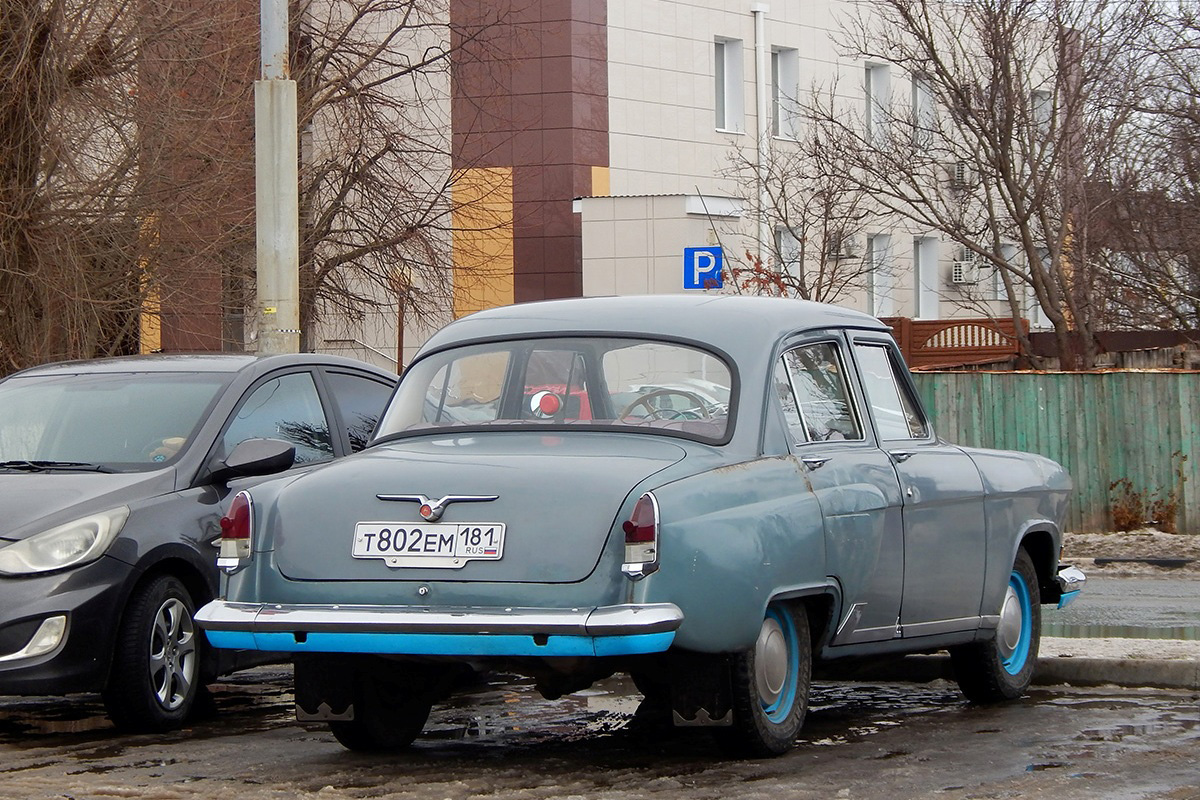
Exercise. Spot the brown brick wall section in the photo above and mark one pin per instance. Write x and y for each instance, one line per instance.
(196, 120)
(531, 92)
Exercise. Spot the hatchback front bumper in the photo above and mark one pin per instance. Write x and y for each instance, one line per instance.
(460, 631)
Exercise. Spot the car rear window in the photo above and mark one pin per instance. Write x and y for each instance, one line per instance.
(591, 382)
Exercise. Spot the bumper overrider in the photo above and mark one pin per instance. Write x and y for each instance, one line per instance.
(465, 631)
(1070, 582)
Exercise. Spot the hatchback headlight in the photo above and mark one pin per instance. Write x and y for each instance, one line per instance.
(68, 545)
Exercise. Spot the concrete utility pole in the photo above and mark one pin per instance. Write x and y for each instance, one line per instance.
(762, 65)
(277, 201)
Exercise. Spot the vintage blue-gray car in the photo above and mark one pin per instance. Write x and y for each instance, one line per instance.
(707, 492)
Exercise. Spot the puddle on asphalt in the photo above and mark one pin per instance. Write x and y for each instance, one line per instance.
(510, 711)
(1121, 732)
(508, 706)
(502, 711)
(252, 700)
(40, 716)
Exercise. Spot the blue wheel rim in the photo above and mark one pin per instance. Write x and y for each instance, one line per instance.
(1015, 662)
(779, 710)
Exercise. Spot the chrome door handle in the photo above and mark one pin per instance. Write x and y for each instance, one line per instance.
(815, 462)
(900, 456)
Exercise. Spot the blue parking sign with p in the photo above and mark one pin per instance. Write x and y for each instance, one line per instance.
(702, 267)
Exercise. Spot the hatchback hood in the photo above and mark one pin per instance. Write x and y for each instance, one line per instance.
(558, 497)
(31, 502)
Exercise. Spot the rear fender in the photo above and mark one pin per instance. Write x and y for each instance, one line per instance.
(731, 540)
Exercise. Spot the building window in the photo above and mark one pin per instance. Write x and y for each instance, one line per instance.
(729, 85)
(878, 90)
(922, 112)
(925, 274)
(787, 251)
(1009, 253)
(879, 288)
(1041, 108)
(785, 91)
(1037, 315)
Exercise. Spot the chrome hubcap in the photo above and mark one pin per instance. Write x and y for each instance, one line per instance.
(1008, 636)
(770, 662)
(172, 654)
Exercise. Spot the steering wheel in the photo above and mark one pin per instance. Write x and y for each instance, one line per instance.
(699, 410)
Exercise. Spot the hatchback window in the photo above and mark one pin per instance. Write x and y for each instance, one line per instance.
(361, 400)
(121, 420)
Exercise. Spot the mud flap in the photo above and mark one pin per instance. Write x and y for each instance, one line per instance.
(700, 690)
(324, 689)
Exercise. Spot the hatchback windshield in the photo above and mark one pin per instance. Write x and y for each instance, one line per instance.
(630, 384)
(121, 421)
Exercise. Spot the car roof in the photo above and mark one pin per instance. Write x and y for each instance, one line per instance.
(725, 321)
(220, 363)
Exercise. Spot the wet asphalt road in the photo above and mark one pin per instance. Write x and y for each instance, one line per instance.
(502, 741)
(1133, 606)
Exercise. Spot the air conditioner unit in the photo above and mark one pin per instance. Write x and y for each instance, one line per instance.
(839, 247)
(965, 269)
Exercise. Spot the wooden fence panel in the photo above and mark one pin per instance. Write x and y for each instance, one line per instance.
(1125, 437)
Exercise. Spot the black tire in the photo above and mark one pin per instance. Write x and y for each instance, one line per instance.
(1002, 667)
(155, 675)
(770, 686)
(389, 712)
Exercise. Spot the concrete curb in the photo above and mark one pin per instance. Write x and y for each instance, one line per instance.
(1051, 671)
(1167, 563)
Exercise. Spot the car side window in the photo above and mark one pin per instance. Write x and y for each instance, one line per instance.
(361, 401)
(286, 408)
(896, 414)
(811, 385)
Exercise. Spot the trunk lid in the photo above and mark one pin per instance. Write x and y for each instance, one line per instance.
(557, 497)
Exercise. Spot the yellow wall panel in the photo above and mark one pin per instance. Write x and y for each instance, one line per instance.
(482, 239)
(601, 187)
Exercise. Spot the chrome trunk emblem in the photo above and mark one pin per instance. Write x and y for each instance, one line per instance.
(432, 510)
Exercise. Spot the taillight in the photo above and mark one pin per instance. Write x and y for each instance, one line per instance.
(236, 527)
(641, 538)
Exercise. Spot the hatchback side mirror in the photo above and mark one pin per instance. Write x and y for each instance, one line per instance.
(254, 457)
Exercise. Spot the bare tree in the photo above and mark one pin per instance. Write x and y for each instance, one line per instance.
(818, 218)
(127, 171)
(62, 247)
(1017, 107)
(375, 168)
(1153, 225)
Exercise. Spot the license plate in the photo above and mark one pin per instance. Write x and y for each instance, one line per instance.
(439, 545)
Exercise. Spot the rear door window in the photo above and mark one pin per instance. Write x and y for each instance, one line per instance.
(811, 385)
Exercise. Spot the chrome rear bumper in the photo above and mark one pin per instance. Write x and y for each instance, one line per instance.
(607, 630)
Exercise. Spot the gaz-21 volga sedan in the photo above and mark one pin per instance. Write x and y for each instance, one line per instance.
(545, 495)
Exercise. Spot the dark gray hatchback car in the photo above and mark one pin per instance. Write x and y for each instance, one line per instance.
(114, 475)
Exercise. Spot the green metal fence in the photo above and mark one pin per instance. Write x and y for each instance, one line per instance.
(1129, 439)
